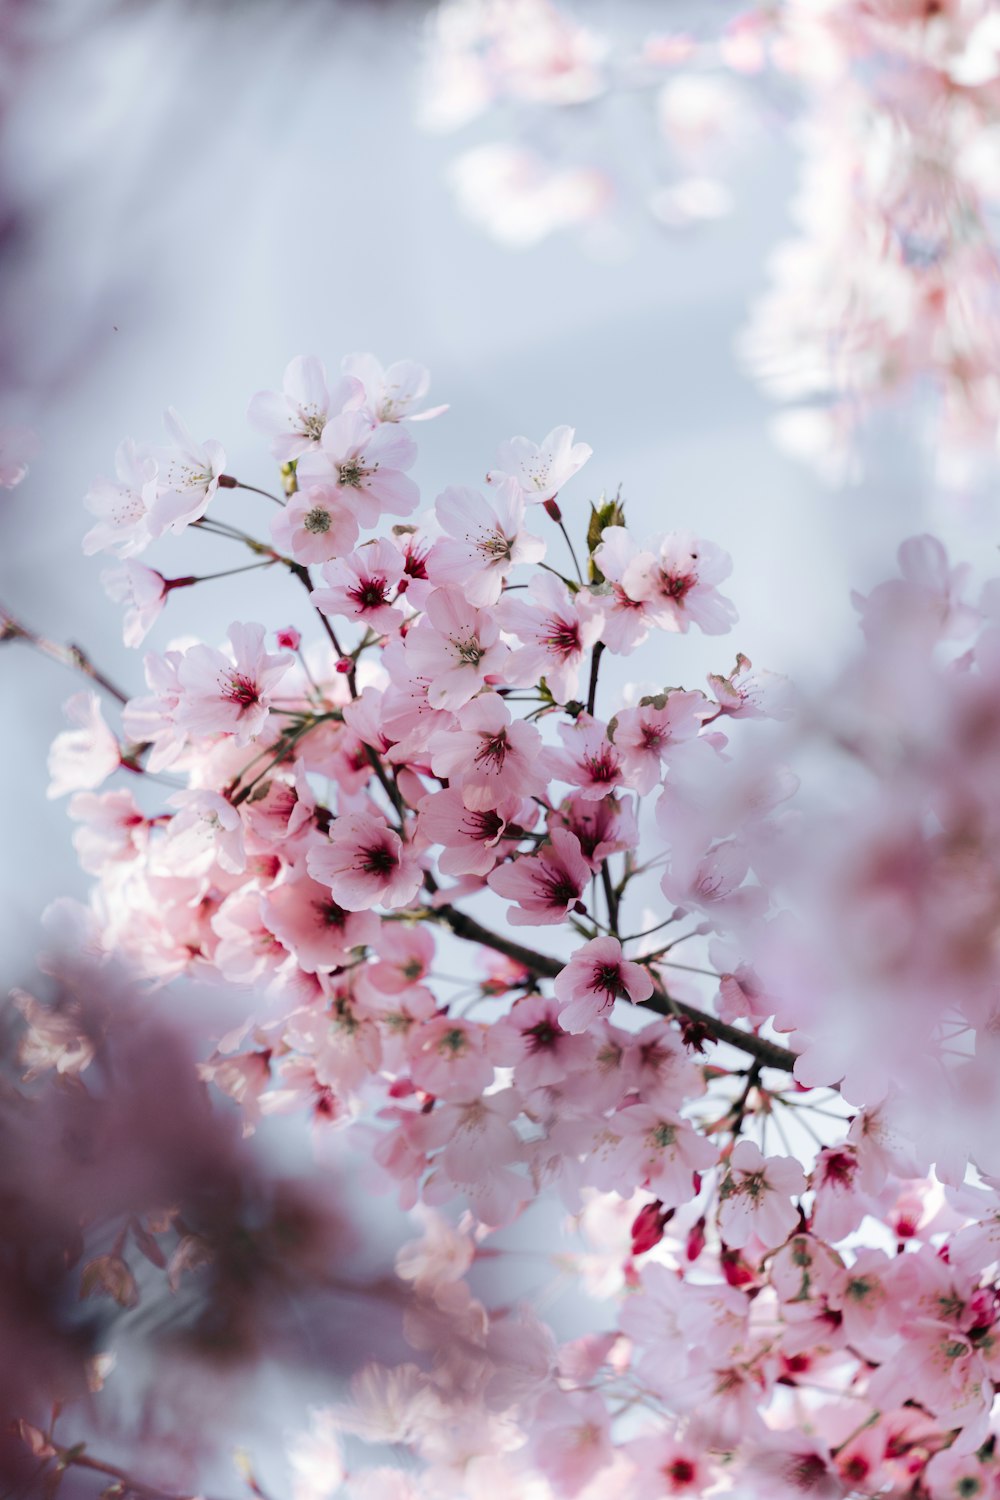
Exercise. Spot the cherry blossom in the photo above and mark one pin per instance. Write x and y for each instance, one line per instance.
(540, 469)
(556, 630)
(123, 505)
(82, 758)
(756, 1196)
(595, 978)
(144, 593)
(484, 541)
(545, 885)
(359, 585)
(295, 419)
(674, 576)
(188, 478)
(454, 649)
(489, 757)
(229, 694)
(365, 464)
(643, 736)
(391, 391)
(365, 864)
(316, 525)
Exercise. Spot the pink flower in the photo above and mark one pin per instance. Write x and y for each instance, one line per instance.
(82, 758)
(545, 884)
(714, 885)
(365, 864)
(590, 762)
(454, 648)
(602, 828)
(113, 829)
(760, 695)
(666, 1465)
(470, 838)
(188, 478)
(448, 1058)
(557, 630)
(571, 1439)
(540, 469)
(295, 419)
(480, 1148)
(596, 976)
(207, 830)
(925, 604)
(484, 541)
(229, 694)
(360, 585)
(316, 525)
(406, 955)
(643, 736)
(533, 1040)
(306, 919)
(840, 1205)
(123, 505)
(755, 1197)
(488, 757)
(365, 464)
(675, 577)
(150, 720)
(144, 593)
(247, 951)
(439, 1259)
(627, 620)
(390, 392)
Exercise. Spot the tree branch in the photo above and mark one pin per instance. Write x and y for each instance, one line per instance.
(769, 1054)
(71, 656)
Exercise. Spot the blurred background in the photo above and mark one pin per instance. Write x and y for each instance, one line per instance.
(194, 193)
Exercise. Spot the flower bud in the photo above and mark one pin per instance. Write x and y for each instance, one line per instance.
(648, 1226)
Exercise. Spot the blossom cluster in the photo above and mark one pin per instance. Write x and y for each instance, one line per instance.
(751, 1057)
(562, 87)
(891, 285)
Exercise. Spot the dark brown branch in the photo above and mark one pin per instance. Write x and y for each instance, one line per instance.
(769, 1054)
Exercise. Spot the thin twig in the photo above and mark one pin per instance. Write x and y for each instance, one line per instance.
(70, 655)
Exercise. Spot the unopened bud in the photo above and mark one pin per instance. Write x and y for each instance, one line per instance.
(288, 639)
(551, 509)
(345, 665)
(696, 1240)
(648, 1226)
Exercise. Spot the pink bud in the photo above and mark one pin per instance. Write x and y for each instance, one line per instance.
(551, 509)
(735, 1269)
(288, 639)
(648, 1226)
(696, 1240)
(345, 665)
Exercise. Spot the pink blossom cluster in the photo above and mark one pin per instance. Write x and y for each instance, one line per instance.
(545, 71)
(752, 1054)
(889, 287)
(891, 284)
